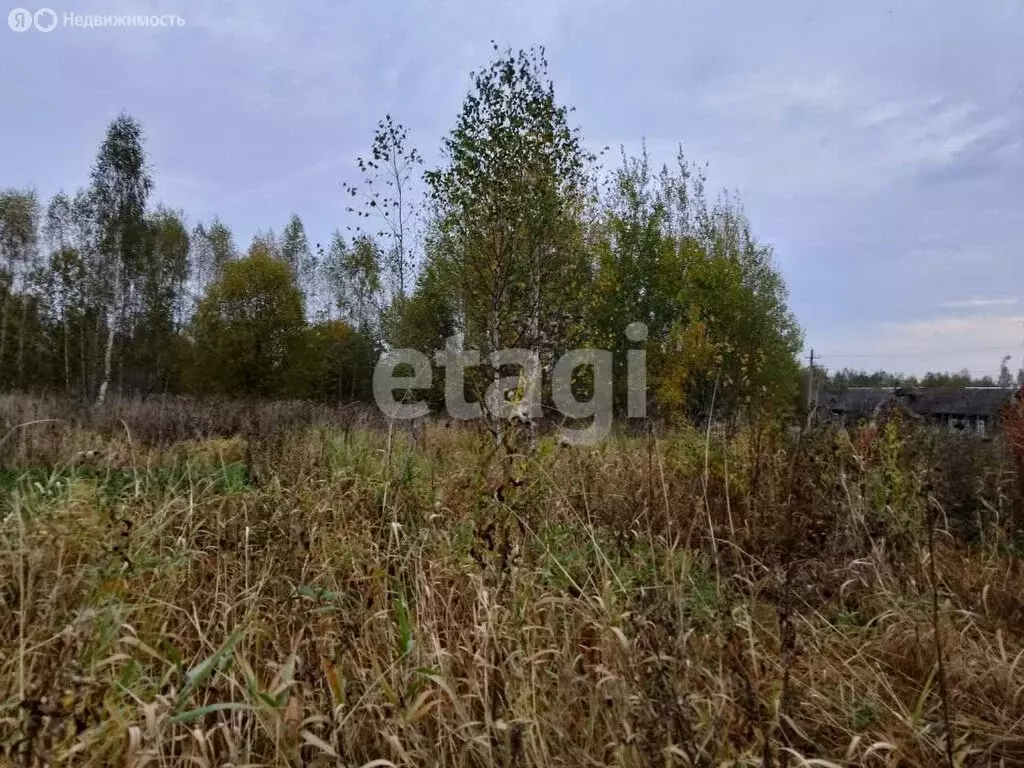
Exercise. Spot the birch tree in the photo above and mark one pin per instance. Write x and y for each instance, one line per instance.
(120, 188)
(296, 252)
(386, 196)
(19, 228)
(508, 203)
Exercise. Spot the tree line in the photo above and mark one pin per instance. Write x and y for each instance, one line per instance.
(516, 239)
(844, 378)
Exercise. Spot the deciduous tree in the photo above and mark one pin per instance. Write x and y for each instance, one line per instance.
(507, 204)
(248, 332)
(120, 189)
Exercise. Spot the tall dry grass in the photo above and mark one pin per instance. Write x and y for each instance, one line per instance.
(375, 597)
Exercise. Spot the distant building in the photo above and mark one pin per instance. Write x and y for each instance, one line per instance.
(970, 410)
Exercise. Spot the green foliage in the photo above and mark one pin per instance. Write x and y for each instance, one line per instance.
(509, 201)
(211, 247)
(152, 343)
(19, 222)
(837, 381)
(353, 275)
(519, 250)
(120, 189)
(714, 303)
(339, 361)
(248, 331)
(297, 254)
(423, 321)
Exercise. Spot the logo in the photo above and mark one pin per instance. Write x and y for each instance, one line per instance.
(516, 396)
(22, 19)
(45, 19)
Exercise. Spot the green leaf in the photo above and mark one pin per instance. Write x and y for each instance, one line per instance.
(201, 671)
(194, 714)
(405, 635)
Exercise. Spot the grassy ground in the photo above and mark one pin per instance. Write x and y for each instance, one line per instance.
(359, 598)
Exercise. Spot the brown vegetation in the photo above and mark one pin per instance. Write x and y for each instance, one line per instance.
(382, 599)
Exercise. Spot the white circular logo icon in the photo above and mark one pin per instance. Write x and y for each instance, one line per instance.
(45, 19)
(20, 20)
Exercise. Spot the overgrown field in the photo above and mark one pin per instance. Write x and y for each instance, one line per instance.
(340, 596)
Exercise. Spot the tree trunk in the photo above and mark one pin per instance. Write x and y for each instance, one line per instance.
(533, 375)
(67, 359)
(494, 333)
(21, 342)
(3, 332)
(83, 365)
(126, 358)
(102, 396)
(111, 326)
(94, 350)
(341, 378)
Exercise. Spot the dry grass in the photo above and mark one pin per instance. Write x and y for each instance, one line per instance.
(367, 598)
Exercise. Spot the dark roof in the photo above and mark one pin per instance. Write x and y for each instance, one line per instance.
(969, 401)
(858, 401)
(927, 401)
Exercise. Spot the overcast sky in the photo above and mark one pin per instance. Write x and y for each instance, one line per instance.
(878, 146)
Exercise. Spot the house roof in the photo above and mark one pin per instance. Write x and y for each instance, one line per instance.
(858, 401)
(927, 401)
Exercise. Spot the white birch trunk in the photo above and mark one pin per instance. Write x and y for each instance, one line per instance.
(111, 325)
